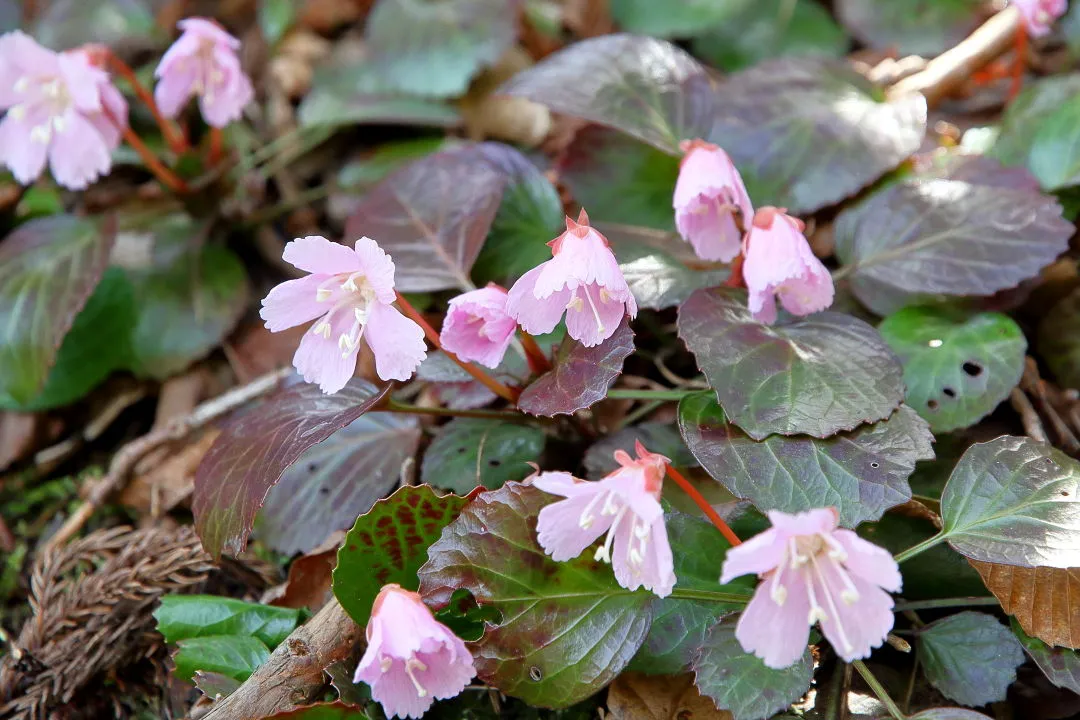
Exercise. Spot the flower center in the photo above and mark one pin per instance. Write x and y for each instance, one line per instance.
(578, 305)
(411, 666)
(51, 100)
(353, 293)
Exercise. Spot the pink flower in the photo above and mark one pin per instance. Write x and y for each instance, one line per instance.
(477, 327)
(60, 109)
(350, 292)
(411, 658)
(708, 193)
(582, 279)
(625, 504)
(813, 572)
(1039, 15)
(779, 262)
(203, 62)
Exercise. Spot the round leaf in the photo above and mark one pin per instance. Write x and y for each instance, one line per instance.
(1058, 340)
(910, 27)
(1026, 113)
(970, 657)
(1055, 152)
(472, 452)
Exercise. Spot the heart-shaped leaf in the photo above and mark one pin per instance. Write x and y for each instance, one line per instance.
(1043, 600)
(910, 27)
(970, 657)
(861, 473)
(180, 617)
(661, 438)
(957, 367)
(1014, 501)
(816, 376)
(254, 449)
(480, 452)
(1026, 113)
(658, 280)
(1058, 340)
(580, 377)
(1060, 665)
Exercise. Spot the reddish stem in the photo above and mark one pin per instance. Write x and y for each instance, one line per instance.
(735, 279)
(489, 382)
(702, 503)
(538, 362)
(217, 141)
(176, 142)
(167, 177)
(1020, 62)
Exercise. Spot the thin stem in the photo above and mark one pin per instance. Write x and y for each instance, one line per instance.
(921, 547)
(842, 272)
(628, 394)
(217, 142)
(167, 177)
(176, 142)
(639, 413)
(702, 503)
(1019, 62)
(489, 382)
(395, 406)
(945, 603)
(879, 690)
(536, 358)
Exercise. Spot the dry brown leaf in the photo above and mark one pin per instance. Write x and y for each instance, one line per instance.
(253, 350)
(171, 482)
(18, 432)
(1045, 601)
(310, 577)
(634, 696)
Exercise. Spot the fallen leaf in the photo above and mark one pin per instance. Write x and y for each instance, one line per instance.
(171, 482)
(310, 576)
(18, 432)
(1044, 600)
(634, 696)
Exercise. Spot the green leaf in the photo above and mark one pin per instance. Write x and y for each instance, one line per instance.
(657, 437)
(862, 473)
(970, 657)
(1054, 157)
(335, 102)
(1058, 340)
(181, 617)
(322, 711)
(910, 27)
(957, 367)
(1060, 665)
(816, 376)
(388, 544)
(1026, 113)
(740, 683)
(275, 18)
(65, 24)
(657, 279)
(471, 452)
(235, 656)
(49, 268)
(679, 18)
(1014, 501)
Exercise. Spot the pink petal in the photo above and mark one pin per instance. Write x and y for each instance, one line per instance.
(760, 554)
(628, 484)
(593, 320)
(175, 86)
(320, 360)
(23, 156)
(559, 525)
(762, 306)
(78, 154)
(656, 571)
(115, 110)
(185, 48)
(225, 101)
(396, 341)
(779, 261)
(778, 634)
(870, 562)
(477, 334)
(710, 231)
(862, 625)
(580, 261)
(536, 316)
(377, 267)
(564, 484)
(316, 254)
(202, 28)
(293, 303)
(21, 56)
(707, 182)
(809, 522)
(396, 693)
(449, 669)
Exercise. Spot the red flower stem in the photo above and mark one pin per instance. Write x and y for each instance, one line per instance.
(704, 505)
(482, 377)
(167, 177)
(217, 142)
(1020, 62)
(538, 362)
(176, 142)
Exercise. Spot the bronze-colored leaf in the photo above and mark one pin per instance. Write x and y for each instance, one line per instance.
(634, 696)
(1044, 600)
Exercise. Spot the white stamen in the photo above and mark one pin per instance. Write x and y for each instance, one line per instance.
(816, 611)
(595, 312)
(322, 328)
(323, 294)
(51, 89)
(41, 134)
(777, 590)
(412, 665)
(610, 505)
(848, 647)
(22, 84)
(18, 112)
(797, 560)
(603, 553)
(836, 550)
(587, 518)
(632, 552)
(59, 123)
(385, 663)
(575, 304)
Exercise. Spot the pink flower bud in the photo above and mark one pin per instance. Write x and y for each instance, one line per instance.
(60, 109)
(626, 505)
(813, 572)
(203, 62)
(349, 292)
(1039, 15)
(779, 263)
(477, 327)
(582, 279)
(412, 659)
(708, 194)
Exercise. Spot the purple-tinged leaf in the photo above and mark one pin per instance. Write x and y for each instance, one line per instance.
(658, 437)
(817, 375)
(645, 87)
(337, 480)
(255, 448)
(910, 27)
(432, 216)
(1061, 665)
(948, 713)
(970, 657)
(580, 377)
(467, 453)
(658, 280)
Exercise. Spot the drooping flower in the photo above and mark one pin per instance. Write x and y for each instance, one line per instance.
(203, 62)
(477, 327)
(778, 262)
(61, 109)
(412, 659)
(582, 279)
(349, 292)
(1039, 15)
(626, 505)
(813, 572)
(708, 194)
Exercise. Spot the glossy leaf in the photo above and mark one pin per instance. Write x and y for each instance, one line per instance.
(658, 437)
(658, 280)
(49, 267)
(1058, 340)
(910, 27)
(861, 473)
(970, 657)
(255, 448)
(1014, 501)
(740, 682)
(334, 102)
(432, 217)
(214, 685)
(580, 377)
(684, 18)
(1026, 113)
(816, 376)
(180, 617)
(65, 24)
(234, 656)
(1054, 157)
(1044, 600)
(388, 544)
(332, 483)
(480, 452)
(275, 18)
(1060, 665)
(957, 367)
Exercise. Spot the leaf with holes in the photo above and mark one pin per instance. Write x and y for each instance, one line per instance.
(970, 657)
(816, 376)
(388, 544)
(180, 617)
(234, 656)
(658, 280)
(957, 367)
(580, 377)
(432, 217)
(1043, 600)
(644, 87)
(658, 437)
(740, 682)
(49, 268)
(1061, 666)
(910, 27)
(1058, 340)
(1027, 112)
(480, 452)
(1014, 501)
(861, 473)
(328, 486)
(254, 449)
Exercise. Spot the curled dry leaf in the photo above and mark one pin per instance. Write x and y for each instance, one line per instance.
(634, 696)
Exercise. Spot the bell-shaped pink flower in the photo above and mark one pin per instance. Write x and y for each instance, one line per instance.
(626, 505)
(412, 659)
(813, 572)
(477, 327)
(582, 279)
(708, 194)
(60, 109)
(778, 262)
(203, 62)
(1040, 15)
(349, 292)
